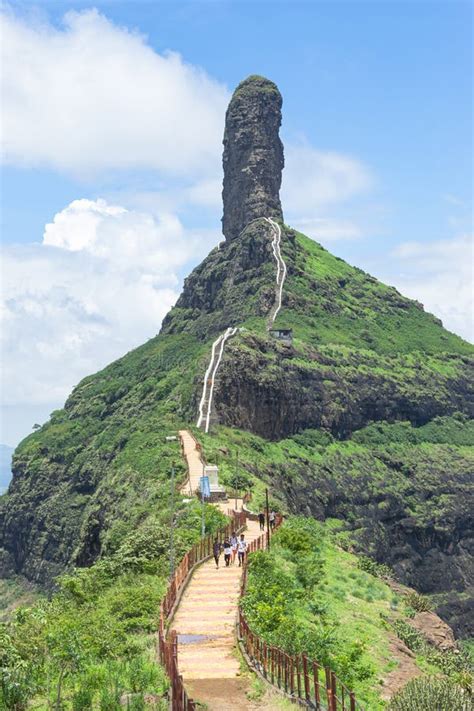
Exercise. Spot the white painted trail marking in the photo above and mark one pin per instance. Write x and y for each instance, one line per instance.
(205, 406)
(206, 378)
(281, 267)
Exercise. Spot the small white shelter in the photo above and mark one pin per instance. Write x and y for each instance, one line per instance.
(212, 471)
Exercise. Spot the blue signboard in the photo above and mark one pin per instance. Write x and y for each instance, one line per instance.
(204, 487)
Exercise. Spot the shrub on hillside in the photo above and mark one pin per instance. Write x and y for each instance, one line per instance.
(409, 635)
(371, 566)
(431, 694)
(419, 603)
(295, 541)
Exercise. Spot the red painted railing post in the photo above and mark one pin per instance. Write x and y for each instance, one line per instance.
(334, 691)
(298, 675)
(307, 690)
(327, 672)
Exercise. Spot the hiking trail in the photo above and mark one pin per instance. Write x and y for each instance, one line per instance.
(281, 270)
(217, 351)
(206, 616)
(205, 405)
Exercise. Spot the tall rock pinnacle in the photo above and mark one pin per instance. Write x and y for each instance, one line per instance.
(253, 155)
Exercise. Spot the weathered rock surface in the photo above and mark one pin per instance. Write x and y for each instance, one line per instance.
(405, 670)
(234, 283)
(394, 499)
(458, 606)
(434, 630)
(275, 390)
(253, 155)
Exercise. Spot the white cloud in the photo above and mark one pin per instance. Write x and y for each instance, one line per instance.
(98, 285)
(327, 229)
(440, 275)
(315, 183)
(207, 193)
(126, 240)
(93, 96)
(313, 179)
(453, 200)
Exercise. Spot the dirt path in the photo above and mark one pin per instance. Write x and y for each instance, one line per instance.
(406, 669)
(205, 622)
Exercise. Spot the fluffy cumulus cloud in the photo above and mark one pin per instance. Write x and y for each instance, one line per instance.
(97, 285)
(316, 178)
(94, 96)
(440, 275)
(318, 186)
(327, 229)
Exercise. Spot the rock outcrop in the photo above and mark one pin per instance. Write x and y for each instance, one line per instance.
(253, 155)
(276, 390)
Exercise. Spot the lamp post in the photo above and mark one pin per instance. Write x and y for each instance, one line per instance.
(236, 476)
(203, 520)
(172, 524)
(268, 517)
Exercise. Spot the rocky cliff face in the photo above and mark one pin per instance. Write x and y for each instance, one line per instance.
(234, 283)
(253, 155)
(393, 496)
(277, 390)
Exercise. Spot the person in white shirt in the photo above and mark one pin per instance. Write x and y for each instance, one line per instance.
(272, 518)
(234, 542)
(227, 552)
(242, 548)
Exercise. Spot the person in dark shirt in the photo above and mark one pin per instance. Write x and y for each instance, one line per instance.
(216, 550)
(261, 520)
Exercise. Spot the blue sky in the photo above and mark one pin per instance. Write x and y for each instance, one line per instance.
(376, 125)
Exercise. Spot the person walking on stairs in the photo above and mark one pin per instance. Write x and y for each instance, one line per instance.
(234, 542)
(261, 520)
(216, 551)
(242, 549)
(227, 552)
(272, 519)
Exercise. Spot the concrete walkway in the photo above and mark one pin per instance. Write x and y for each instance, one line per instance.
(205, 621)
(194, 462)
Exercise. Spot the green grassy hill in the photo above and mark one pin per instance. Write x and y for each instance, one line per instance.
(361, 353)
(309, 596)
(363, 418)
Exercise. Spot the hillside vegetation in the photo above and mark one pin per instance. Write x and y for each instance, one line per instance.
(364, 418)
(93, 645)
(307, 596)
(103, 456)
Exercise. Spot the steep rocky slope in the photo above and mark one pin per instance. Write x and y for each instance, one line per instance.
(361, 354)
